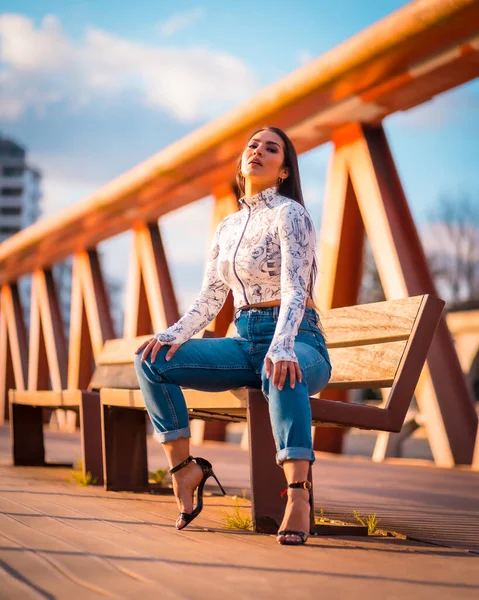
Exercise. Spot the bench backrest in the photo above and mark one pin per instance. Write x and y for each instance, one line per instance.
(370, 345)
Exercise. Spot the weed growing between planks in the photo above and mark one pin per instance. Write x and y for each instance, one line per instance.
(237, 520)
(81, 478)
(159, 476)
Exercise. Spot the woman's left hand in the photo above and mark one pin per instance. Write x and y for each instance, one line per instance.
(280, 371)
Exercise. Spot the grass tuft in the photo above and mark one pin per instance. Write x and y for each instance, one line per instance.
(159, 476)
(369, 521)
(237, 520)
(84, 479)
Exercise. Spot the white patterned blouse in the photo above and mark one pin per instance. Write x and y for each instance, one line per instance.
(263, 252)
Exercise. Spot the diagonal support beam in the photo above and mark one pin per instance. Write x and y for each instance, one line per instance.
(340, 245)
(443, 395)
(47, 356)
(13, 346)
(151, 302)
(91, 323)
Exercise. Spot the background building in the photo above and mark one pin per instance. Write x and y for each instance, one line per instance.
(20, 206)
(20, 191)
(20, 196)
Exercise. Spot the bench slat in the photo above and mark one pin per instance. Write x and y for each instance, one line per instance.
(373, 365)
(48, 398)
(114, 376)
(120, 350)
(370, 323)
(226, 407)
(122, 397)
(349, 326)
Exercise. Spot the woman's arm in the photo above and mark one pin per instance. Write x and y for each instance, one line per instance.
(297, 240)
(206, 306)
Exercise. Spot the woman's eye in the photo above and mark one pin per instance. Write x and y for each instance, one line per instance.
(273, 150)
(251, 145)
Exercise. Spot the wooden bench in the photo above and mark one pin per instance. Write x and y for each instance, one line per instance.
(382, 345)
(26, 426)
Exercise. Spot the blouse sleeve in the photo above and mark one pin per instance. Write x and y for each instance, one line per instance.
(297, 240)
(206, 306)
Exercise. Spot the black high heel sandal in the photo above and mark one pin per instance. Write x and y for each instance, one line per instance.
(208, 472)
(305, 485)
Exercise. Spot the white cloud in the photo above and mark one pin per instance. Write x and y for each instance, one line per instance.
(41, 67)
(29, 49)
(179, 21)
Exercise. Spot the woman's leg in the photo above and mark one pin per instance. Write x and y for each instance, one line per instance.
(297, 511)
(210, 365)
(290, 413)
(202, 364)
(187, 479)
(290, 409)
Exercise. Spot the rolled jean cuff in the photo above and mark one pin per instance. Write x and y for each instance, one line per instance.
(170, 436)
(295, 454)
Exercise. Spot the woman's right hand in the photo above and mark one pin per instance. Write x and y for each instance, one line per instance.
(153, 345)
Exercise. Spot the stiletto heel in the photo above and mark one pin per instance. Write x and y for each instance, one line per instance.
(305, 485)
(219, 485)
(208, 472)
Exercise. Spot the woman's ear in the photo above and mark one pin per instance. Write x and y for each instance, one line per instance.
(284, 173)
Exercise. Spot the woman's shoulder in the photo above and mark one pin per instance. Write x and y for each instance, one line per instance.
(289, 207)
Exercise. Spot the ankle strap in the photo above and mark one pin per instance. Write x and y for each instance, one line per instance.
(305, 485)
(181, 465)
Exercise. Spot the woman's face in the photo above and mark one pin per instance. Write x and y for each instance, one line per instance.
(262, 159)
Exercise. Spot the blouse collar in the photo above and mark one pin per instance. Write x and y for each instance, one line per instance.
(266, 196)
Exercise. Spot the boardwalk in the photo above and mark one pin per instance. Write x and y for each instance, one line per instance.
(59, 540)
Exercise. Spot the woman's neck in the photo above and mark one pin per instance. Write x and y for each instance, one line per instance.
(251, 188)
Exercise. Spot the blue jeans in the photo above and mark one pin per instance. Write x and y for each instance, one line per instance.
(219, 364)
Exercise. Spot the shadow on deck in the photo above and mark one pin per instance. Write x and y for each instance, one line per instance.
(60, 540)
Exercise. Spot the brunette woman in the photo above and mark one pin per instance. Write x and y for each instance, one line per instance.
(264, 253)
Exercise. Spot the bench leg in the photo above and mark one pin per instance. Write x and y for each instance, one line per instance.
(26, 425)
(91, 439)
(125, 465)
(267, 479)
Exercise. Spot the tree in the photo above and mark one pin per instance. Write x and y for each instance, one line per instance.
(451, 241)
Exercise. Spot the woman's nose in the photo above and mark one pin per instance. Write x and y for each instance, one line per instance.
(257, 150)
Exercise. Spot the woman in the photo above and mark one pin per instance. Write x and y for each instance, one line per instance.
(265, 254)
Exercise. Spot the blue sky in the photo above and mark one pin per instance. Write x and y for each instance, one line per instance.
(92, 88)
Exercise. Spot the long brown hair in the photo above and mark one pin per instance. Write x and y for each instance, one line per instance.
(289, 187)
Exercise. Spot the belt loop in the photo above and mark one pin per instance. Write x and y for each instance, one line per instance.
(276, 311)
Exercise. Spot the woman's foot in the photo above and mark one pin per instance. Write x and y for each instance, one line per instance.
(296, 516)
(185, 483)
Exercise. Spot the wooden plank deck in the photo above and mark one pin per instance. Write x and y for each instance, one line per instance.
(59, 540)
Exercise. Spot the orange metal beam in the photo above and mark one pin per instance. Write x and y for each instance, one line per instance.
(421, 50)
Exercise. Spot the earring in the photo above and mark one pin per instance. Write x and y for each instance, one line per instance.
(280, 180)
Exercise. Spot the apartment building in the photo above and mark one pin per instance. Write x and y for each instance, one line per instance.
(20, 195)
